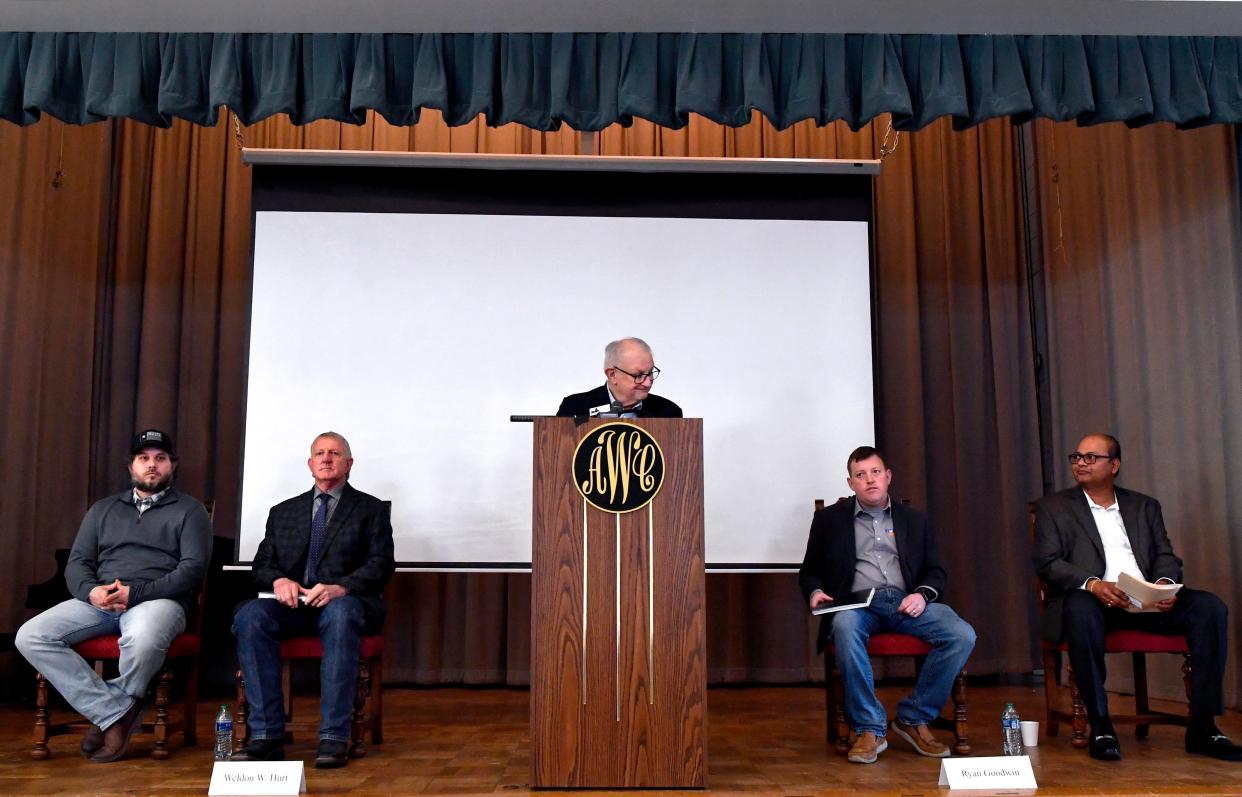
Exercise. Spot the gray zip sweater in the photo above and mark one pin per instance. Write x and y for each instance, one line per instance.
(162, 554)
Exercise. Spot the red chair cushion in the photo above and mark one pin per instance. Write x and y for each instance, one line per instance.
(897, 645)
(1137, 642)
(1144, 642)
(309, 647)
(109, 647)
(887, 644)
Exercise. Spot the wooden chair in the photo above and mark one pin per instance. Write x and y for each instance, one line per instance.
(182, 654)
(370, 685)
(883, 645)
(1138, 644)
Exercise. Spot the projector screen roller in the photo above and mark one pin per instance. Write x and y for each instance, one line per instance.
(416, 332)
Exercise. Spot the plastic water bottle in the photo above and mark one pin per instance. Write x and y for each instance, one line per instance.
(224, 734)
(1011, 727)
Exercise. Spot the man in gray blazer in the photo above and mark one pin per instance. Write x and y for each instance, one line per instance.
(1086, 537)
(326, 557)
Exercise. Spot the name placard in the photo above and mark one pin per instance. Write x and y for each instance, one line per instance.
(1011, 773)
(257, 777)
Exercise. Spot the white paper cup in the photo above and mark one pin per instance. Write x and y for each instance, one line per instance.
(1030, 733)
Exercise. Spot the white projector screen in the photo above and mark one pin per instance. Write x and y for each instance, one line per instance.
(417, 334)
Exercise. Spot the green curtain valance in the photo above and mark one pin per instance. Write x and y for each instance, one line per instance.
(588, 81)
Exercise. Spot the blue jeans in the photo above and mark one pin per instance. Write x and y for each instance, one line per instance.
(952, 639)
(260, 624)
(146, 631)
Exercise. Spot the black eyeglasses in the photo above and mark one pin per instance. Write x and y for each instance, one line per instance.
(1088, 458)
(639, 378)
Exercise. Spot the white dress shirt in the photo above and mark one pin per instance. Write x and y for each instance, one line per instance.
(1118, 555)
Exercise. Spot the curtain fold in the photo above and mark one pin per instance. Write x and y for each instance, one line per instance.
(138, 315)
(1144, 298)
(167, 298)
(589, 81)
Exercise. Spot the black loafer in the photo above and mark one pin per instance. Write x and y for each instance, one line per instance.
(332, 754)
(1216, 745)
(261, 750)
(1104, 746)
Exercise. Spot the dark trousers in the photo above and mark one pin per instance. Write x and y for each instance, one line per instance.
(1200, 616)
(260, 624)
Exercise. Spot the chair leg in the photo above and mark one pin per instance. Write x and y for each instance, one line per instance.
(42, 720)
(830, 697)
(961, 745)
(241, 721)
(1141, 705)
(163, 686)
(377, 700)
(1186, 683)
(838, 697)
(358, 743)
(286, 686)
(190, 729)
(1080, 713)
(1052, 691)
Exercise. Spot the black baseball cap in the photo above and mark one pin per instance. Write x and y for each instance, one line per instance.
(152, 438)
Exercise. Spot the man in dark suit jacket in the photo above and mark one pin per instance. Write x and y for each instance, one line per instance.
(1085, 537)
(868, 542)
(326, 557)
(630, 370)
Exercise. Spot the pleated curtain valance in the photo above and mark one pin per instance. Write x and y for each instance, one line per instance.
(589, 81)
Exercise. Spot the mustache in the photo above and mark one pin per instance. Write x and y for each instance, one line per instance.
(151, 483)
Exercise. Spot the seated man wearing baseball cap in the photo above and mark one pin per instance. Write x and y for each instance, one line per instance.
(134, 570)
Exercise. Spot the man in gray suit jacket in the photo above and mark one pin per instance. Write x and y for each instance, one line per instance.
(1086, 537)
(326, 557)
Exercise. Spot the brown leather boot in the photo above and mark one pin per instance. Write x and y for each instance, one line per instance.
(117, 735)
(92, 740)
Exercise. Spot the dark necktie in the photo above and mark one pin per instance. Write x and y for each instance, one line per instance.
(319, 524)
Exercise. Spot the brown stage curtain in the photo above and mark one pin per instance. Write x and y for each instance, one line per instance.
(1141, 249)
(165, 287)
(53, 238)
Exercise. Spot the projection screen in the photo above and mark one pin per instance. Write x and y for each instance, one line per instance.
(413, 303)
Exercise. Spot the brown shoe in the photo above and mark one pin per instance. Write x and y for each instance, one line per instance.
(92, 740)
(116, 736)
(867, 748)
(921, 739)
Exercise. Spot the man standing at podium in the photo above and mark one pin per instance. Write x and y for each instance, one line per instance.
(135, 570)
(326, 557)
(868, 542)
(630, 371)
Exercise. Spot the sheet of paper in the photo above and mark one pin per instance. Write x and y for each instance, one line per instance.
(1144, 595)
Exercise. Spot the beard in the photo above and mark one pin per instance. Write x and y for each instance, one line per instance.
(152, 484)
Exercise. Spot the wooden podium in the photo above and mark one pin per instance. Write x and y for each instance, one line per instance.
(618, 671)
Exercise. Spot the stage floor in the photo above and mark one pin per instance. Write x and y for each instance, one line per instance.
(767, 740)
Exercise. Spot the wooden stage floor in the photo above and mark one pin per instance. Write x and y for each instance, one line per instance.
(767, 740)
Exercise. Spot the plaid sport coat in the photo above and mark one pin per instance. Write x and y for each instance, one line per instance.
(357, 551)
